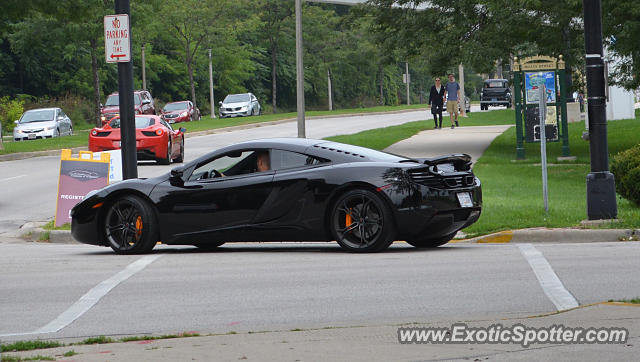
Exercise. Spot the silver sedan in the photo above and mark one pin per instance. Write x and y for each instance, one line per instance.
(42, 123)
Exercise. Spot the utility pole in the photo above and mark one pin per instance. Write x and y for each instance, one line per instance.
(299, 71)
(211, 99)
(461, 102)
(601, 188)
(125, 95)
(144, 73)
(406, 64)
(329, 90)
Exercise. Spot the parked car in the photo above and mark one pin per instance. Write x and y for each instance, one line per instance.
(495, 92)
(182, 111)
(42, 123)
(142, 103)
(155, 139)
(287, 189)
(245, 104)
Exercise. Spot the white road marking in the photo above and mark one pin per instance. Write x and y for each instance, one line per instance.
(92, 297)
(549, 281)
(11, 178)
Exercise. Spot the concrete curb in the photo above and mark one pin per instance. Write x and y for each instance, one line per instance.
(33, 232)
(25, 155)
(557, 235)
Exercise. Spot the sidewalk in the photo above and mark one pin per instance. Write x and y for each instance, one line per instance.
(373, 343)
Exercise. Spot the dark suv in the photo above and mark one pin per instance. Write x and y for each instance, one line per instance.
(495, 92)
(142, 102)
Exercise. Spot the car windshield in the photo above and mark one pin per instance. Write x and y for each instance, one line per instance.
(37, 116)
(141, 122)
(372, 155)
(176, 106)
(114, 100)
(235, 98)
(496, 84)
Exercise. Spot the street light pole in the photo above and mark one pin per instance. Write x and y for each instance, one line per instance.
(601, 188)
(144, 71)
(406, 64)
(211, 99)
(299, 71)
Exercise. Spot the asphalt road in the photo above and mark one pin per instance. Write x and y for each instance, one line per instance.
(267, 287)
(28, 187)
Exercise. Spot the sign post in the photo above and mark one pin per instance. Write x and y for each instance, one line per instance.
(117, 38)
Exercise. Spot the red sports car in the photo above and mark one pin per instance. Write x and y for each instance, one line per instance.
(155, 139)
(182, 111)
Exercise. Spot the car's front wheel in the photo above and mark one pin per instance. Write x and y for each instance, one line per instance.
(430, 242)
(362, 222)
(130, 226)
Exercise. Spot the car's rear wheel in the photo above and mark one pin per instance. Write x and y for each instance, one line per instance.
(208, 246)
(167, 160)
(362, 222)
(180, 158)
(130, 226)
(430, 242)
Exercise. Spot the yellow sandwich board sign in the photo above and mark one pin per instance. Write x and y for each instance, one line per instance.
(78, 176)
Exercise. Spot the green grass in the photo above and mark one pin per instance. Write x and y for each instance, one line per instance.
(97, 340)
(29, 346)
(51, 226)
(70, 353)
(512, 190)
(81, 132)
(32, 358)
(632, 301)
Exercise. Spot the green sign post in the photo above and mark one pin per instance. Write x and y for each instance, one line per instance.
(529, 75)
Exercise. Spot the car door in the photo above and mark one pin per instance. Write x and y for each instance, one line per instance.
(295, 204)
(206, 208)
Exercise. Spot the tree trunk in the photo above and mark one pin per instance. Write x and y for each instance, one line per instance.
(274, 61)
(381, 85)
(96, 80)
(193, 88)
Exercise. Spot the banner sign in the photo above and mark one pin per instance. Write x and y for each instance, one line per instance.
(115, 163)
(532, 80)
(78, 176)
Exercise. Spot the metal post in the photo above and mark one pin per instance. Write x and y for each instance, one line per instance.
(144, 71)
(406, 64)
(562, 102)
(299, 70)
(601, 188)
(211, 99)
(329, 90)
(125, 95)
(542, 112)
(517, 86)
(463, 111)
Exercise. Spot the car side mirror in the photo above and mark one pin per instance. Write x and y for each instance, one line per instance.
(182, 129)
(16, 121)
(220, 102)
(176, 176)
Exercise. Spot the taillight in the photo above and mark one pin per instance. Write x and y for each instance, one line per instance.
(94, 132)
(159, 132)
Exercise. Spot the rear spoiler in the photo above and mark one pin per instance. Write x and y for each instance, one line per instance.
(461, 161)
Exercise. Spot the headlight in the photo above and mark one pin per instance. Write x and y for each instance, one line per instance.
(48, 128)
(244, 108)
(103, 118)
(18, 131)
(183, 114)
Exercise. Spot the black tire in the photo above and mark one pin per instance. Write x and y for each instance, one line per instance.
(167, 160)
(130, 226)
(361, 222)
(180, 158)
(431, 242)
(209, 246)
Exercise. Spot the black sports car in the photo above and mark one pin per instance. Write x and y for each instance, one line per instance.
(287, 189)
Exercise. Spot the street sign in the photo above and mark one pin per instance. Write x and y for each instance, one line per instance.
(117, 45)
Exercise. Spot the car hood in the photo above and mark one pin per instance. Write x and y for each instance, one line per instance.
(235, 104)
(176, 112)
(34, 125)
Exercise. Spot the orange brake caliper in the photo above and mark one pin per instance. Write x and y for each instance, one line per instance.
(138, 227)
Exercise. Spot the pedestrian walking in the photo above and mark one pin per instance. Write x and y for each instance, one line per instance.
(436, 101)
(452, 94)
(581, 101)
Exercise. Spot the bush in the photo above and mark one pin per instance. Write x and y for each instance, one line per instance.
(625, 166)
(10, 110)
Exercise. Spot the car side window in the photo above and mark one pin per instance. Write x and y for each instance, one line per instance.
(230, 164)
(281, 159)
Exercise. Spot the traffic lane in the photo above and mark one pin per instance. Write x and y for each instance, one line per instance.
(39, 280)
(28, 190)
(244, 287)
(596, 272)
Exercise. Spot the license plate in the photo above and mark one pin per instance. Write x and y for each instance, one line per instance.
(32, 136)
(464, 198)
(493, 99)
